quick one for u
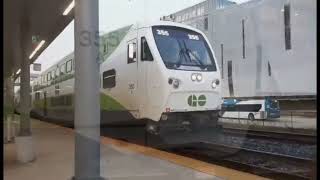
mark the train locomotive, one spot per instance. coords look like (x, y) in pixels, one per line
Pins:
(161, 75)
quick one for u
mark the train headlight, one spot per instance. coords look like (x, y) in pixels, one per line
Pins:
(199, 77)
(193, 77)
(176, 83)
(164, 117)
(215, 83)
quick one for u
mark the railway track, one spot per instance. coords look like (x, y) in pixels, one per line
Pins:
(235, 156)
(272, 165)
(270, 162)
(279, 136)
(275, 165)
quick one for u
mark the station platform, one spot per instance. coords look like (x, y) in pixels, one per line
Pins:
(119, 160)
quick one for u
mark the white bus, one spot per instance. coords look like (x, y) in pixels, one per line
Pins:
(250, 109)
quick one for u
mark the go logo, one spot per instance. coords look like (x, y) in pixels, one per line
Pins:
(195, 101)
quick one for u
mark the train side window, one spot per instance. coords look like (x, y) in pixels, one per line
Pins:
(53, 74)
(145, 50)
(57, 90)
(132, 52)
(57, 72)
(62, 69)
(49, 76)
(109, 79)
(43, 79)
(73, 64)
(37, 96)
(61, 100)
(69, 66)
(68, 100)
(105, 48)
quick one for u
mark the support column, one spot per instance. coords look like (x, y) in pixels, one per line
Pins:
(25, 125)
(25, 148)
(5, 111)
(87, 95)
(9, 108)
(25, 151)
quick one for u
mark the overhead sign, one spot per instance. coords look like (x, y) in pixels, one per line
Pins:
(36, 67)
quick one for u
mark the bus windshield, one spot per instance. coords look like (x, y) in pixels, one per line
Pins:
(183, 49)
(274, 104)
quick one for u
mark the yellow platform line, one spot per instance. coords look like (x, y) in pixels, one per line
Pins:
(200, 166)
(211, 169)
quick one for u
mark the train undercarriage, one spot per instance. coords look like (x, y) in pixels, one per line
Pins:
(188, 121)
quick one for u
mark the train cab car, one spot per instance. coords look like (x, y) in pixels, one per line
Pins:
(158, 75)
(166, 73)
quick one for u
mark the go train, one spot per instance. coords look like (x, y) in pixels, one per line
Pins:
(162, 74)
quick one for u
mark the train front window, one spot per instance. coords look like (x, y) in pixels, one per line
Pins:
(183, 49)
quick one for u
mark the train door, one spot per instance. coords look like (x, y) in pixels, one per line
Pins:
(145, 63)
(131, 76)
(45, 112)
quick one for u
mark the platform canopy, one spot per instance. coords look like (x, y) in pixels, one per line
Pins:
(39, 20)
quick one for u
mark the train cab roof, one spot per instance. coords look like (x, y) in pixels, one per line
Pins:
(148, 24)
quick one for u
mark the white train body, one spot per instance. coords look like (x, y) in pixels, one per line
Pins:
(139, 83)
(142, 87)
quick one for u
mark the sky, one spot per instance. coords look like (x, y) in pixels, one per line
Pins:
(114, 14)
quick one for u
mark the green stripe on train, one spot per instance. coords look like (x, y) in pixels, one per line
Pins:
(110, 104)
(38, 103)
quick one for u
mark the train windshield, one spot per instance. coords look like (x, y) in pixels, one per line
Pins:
(183, 49)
